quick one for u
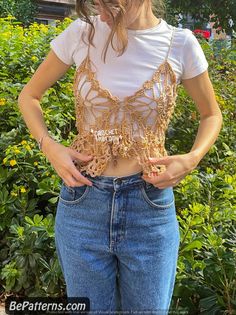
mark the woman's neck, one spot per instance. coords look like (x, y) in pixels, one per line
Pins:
(142, 19)
(143, 24)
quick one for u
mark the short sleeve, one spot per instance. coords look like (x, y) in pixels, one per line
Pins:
(193, 58)
(65, 43)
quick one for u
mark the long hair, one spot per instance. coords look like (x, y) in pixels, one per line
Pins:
(85, 9)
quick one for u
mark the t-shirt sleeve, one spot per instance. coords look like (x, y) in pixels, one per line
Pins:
(65, 43)
(193, 58)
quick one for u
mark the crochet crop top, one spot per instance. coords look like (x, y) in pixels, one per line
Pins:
(109, 127)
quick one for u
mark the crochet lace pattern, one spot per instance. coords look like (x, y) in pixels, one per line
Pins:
(134, 127)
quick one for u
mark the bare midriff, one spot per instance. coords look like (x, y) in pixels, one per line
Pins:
(123, 167)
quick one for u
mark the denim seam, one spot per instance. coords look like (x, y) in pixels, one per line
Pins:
(123, 222)
(78, 200)
(69, 188)
(111, 219)
(122, 227)
(111, 186)
(145, 196)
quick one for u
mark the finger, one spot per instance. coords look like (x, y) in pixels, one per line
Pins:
(75, 176)
(152, 174)
(160, 185)
(77, 183)
(80, 156)
(167, 183)
(72, 182)
(163, 187)
(79, 178)
(159, 161)
(156, 177)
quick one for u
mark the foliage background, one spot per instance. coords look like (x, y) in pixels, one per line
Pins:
(23, 10)
(29, 186)
(221, 11)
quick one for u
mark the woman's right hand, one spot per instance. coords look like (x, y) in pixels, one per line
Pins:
(62, 158)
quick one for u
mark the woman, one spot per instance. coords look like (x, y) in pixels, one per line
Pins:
(116, 218)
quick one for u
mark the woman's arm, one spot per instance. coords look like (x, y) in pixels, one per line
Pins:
(178, 166)
(48, 72)
(61, 157)
(201, 91)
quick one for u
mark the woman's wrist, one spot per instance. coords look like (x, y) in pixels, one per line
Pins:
(194, 158)
(44, 142)
(40, 141)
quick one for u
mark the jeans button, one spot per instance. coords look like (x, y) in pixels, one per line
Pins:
(118, 181)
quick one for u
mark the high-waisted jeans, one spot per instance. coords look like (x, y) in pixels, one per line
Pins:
(117, 243)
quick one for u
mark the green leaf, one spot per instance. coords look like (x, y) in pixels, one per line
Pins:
(195, 244)
(53, 200)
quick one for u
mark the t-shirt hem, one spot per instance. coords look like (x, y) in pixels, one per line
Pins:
(57, 52)
(196, 72)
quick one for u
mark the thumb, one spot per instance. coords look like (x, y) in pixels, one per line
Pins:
(163, 160)
(80, 156)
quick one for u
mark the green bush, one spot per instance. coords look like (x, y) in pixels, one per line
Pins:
(29, 186)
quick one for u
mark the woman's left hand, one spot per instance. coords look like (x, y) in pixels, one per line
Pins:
(177, 167)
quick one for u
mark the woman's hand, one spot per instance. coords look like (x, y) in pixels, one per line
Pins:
(177, 167)
(62, 159)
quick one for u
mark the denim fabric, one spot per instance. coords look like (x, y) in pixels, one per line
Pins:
(117, 243)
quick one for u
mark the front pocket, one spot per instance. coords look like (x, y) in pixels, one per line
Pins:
(156, 197)
(73, 195)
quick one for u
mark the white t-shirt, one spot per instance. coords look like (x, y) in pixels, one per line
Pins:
(146, 50)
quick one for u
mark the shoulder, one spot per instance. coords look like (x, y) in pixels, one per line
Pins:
(186, 42)
(78, 25)
(66, 42)
(183, 36)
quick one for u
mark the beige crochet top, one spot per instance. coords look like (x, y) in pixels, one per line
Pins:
(134, 127)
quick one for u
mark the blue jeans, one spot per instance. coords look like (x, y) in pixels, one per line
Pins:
(117, 243)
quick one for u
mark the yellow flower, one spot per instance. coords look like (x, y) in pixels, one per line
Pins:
(220, 100)
(184, 212)
(23, 190)
(53, 176)
(12, 162)
(67, 19)
(6, 34)
(228, 179)
(13, 193)
(28, 147)
(4, 160)
(10, 17)
(31, 136)
(43, 28)
(17, 151)
(2, 101)
(23, 142)
(35, 163)
(34, 58)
